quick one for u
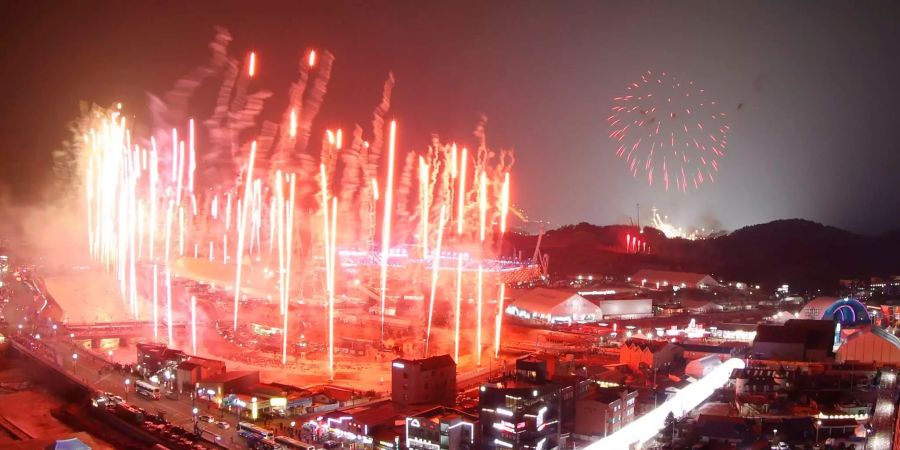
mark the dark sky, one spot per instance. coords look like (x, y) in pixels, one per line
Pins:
(816, 136)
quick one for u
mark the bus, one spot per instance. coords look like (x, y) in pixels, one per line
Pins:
(247, 430)
(263, 444)
(148, 390)
(293, 444)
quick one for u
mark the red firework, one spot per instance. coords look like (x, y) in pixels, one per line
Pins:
(671, 128)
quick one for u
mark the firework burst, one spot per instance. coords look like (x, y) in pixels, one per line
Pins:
(670, 130)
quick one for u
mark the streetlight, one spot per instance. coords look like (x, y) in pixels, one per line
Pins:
(74, 361)
(127, 382)
(818, 425)
(775, 436)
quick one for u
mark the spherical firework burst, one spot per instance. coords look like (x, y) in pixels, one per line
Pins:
(669, 129)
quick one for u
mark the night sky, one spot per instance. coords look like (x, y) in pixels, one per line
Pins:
(815, 138)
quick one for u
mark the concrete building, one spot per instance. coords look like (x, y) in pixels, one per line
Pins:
(152, 358)
(796, 340)
(442, 428)
(522, 412)
(672, 279)
(639, 354)
(424, 381)
(605, 411)
(190, 371)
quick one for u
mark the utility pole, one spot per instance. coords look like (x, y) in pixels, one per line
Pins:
(639, 217)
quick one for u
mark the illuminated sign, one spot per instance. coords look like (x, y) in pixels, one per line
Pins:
(398, 365)
(278, 402)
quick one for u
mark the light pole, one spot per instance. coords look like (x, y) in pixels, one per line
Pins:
(127, 382)
(868, 433)
(818, 425)
(775, 436)
(74, 361)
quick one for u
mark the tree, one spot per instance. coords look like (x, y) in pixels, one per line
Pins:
(670, 425)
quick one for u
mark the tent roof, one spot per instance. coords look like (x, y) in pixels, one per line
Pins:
(555, 302)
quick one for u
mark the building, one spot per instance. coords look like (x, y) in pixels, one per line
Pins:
(754, 380)
(847, 311)
(424, 381)
(741, 332)
(796, 340)
(696, 351)
(217, 387)
(553, 305)
(700, 306)
(667, 278)
(604, 411)
(442, 428)
(729, 430)
(872, 345)
(639, 354)
(625, 308)
(153, 358)
(190, 371)
(522, 412)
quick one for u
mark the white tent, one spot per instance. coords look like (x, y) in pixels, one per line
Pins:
(553, 305)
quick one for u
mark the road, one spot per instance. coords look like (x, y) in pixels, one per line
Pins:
(86, 366)
(883, 418)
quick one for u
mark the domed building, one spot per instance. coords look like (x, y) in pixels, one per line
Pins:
(849, 312)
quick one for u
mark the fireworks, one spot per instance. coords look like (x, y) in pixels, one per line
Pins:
(238, 196)
(670, 130)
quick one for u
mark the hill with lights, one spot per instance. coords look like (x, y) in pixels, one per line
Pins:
(800, 252)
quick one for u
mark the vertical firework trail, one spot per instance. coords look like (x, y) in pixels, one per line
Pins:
(155, 304)
(287, 276)
(331, 290)
(460, 221)
(436, 267)
(193, 325)
(504, 209)
(482, 209)
(386, 227)
(239, 256)
(169, 306)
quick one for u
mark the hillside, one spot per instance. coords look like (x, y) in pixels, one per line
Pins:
(803, 253)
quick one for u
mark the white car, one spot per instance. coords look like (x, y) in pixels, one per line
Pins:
(223, 425)
(207, 419)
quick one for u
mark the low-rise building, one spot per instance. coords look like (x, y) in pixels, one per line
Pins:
(641, 354)
(424, 381)
(442, 428)
(217, 387)
(604, 411)
(190, 371)
(672, 279)
(796, 340)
